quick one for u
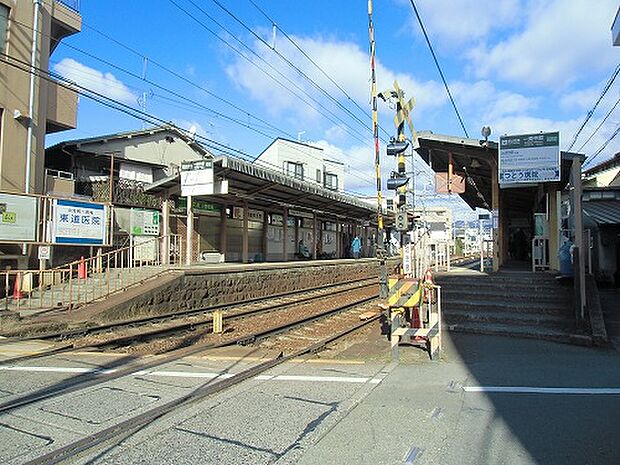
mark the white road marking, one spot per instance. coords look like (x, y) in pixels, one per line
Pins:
(543, 390)
(318, 379)
(194, 374)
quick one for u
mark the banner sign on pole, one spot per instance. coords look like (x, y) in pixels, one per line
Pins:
(529, 158)
(79, 222)
(197, 178)
(18, 218)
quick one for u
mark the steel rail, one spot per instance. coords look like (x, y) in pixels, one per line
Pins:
(93, 378)
(61, 335)
(122, 340)
(131, 425)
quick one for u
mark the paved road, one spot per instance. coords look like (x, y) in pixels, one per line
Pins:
(342, 411)
(610, 301)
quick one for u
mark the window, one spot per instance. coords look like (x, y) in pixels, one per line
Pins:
(331, 181)
(295, 169)
(4, 24)
(318, 176)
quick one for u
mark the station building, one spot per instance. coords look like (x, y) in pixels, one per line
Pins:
(266, 211)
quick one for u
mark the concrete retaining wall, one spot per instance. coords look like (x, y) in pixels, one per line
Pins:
(193, 289)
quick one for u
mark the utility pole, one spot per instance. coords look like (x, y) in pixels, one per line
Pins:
(380, 248)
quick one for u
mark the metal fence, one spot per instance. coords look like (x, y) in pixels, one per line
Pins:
(87, 280)
(73, 4)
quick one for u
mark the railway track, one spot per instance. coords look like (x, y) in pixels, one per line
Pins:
(134, 365)
(133, 424)
(140, 334)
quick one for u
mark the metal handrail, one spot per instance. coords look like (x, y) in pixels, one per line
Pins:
(87, 280)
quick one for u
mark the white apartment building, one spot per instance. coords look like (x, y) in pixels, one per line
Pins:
(303, 161)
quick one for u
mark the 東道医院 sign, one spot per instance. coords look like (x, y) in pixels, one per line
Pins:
(529, 158)
(79, 222)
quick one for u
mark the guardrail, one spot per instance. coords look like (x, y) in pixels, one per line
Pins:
(72, 4)
(90, 279)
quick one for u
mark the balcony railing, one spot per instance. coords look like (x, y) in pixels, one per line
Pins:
(72, 4)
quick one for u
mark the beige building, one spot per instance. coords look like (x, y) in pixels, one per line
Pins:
(31, 107)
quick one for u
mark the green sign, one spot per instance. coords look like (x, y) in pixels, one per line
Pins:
(198, 205)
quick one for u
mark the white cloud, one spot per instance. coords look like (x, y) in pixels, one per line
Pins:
(561, 42)
(346, 63)
(458, 22)
(581, 99)
(103, 83)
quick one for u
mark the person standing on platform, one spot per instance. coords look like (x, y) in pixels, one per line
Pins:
(356, 247)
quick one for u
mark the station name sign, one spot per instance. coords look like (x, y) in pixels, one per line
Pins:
(197, 178)
(529, 159)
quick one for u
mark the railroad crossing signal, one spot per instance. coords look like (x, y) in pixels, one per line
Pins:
(402, 221)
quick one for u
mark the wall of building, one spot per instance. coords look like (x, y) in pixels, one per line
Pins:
(312, 158)
(15, 92)
(150, 149)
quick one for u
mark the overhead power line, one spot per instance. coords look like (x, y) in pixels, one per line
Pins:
(600, 125)
(335, 119)
(183, 102)
(605, 144)
(430, 46)
(316, 65)
(288, 62)
(125, 108)
(591, 111)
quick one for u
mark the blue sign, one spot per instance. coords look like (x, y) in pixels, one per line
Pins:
(79, 222)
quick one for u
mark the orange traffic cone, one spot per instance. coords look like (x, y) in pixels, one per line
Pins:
(17, 287)
(82, 269)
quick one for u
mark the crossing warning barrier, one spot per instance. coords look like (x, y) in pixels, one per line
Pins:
(414, 309)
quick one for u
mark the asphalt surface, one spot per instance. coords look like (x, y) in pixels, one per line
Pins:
(355, 408)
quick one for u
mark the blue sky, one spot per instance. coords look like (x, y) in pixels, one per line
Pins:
(516, 65)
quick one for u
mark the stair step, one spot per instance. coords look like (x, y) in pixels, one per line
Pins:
(511, 318)
(548, 334)
(452, 294)
(503, 305)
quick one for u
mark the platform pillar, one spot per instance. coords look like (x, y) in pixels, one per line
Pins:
(245, 240)
(314, 236)
(498, 232)
(165, 232)
(285, 235)
(189, 250)
(223, 231)
(264, 236)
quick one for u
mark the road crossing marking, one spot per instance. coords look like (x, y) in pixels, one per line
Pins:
(198, 374)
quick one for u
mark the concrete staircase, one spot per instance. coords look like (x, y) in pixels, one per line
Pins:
(518, 304)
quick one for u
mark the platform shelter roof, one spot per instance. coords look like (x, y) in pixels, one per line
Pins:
(269, 189)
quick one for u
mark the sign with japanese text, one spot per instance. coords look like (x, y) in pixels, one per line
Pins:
(529, 158)
(144, 222)
(18, 218)
(79, 222)
(197, 178)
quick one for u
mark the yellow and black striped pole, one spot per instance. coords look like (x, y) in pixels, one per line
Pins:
(381, 253)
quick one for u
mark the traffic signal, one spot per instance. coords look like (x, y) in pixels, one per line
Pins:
(396, 148)
(402, 221)
(396, 181)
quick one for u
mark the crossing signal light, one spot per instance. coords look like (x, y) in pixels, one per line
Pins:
(396, 148)
(402, 221)
(396, 181)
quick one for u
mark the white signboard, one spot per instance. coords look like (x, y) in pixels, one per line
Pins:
(407, 260)
(18, 218)
(529, 158)
(144, 222)
(44, 252)
(197, 178)
(79, 222)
